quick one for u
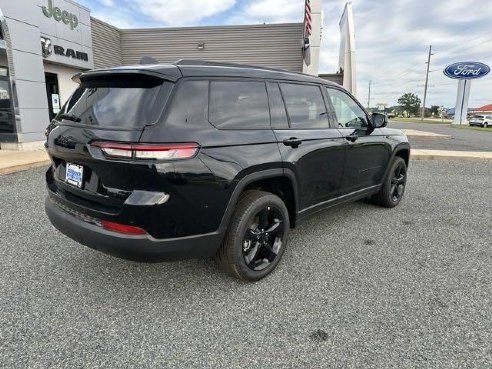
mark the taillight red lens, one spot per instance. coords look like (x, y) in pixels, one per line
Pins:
(145, 151)
(121, 228)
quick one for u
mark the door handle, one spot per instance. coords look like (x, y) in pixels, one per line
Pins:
(352, 138)
(293, 142)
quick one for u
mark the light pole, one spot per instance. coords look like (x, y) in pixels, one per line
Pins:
(426, 81)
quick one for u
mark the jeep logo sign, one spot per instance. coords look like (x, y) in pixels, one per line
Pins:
(60, 15)
(466, 70)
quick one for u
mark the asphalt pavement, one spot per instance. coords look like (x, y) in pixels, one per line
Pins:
(461, 139)
(359, 287)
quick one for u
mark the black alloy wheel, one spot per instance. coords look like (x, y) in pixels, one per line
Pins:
(263, 238)
(394, 184)
(257, 236)
(398, 182)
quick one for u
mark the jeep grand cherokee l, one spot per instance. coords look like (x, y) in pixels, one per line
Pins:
(198, 159)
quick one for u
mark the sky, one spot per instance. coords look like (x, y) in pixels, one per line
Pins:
(392, 37)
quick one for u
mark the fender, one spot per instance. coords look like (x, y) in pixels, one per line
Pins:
(398, 148)
(250, 178)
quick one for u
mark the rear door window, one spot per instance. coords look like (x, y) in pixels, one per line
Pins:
(125, 103)
(239, 105)
(305, 106)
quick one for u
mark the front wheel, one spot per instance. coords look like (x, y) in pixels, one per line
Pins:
(485, 125)
(394, 184)
(256, 238)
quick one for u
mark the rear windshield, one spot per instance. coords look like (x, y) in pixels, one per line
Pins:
(114, 102)
(479, 116)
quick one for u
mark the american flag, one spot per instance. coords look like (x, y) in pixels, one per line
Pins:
(307, 19)
(306, 50)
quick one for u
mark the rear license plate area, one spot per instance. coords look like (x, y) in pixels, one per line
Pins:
(74, 174)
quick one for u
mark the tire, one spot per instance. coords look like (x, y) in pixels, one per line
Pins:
(485, 125)
(394, 184)
(247, 252)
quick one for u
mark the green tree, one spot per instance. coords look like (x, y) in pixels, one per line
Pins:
(410, 102)
(435, 110)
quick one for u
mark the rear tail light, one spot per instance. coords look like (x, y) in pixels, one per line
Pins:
(122, 228)
(145, 151)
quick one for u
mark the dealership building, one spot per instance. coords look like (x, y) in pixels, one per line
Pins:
(43, 43)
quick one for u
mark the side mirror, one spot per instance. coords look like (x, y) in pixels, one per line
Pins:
(379, 120)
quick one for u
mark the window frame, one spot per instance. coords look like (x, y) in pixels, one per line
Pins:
(270, 96)
(319, 86)
(335, 118)
(236, 79)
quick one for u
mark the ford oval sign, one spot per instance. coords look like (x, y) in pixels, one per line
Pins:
(466, 70)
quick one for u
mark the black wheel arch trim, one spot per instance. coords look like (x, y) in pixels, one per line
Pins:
(254, 177)
(400, 147)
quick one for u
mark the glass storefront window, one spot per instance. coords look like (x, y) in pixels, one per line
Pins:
(7, 118)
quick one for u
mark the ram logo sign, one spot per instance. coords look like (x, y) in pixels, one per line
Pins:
(466, 70)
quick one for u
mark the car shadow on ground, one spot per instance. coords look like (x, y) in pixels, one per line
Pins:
(197, 274)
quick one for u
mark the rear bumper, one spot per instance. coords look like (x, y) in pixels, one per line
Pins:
(138, 248)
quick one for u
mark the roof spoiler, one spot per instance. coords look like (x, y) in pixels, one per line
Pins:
(76, 77)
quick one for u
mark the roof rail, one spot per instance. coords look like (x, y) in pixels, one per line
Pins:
(221, 64)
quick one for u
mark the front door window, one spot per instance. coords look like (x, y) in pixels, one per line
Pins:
(347, 112)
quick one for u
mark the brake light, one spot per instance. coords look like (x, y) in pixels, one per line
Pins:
(144, 151)
(121, 228)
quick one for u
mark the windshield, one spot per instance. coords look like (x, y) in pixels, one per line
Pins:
(115, 103)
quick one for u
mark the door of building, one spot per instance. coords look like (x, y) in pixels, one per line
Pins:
(53, 94)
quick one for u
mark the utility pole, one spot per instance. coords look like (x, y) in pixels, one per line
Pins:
(426, 81)
(369, 96)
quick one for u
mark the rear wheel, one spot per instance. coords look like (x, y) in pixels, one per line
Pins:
(256, 238)
(485, 125)
(393, 188)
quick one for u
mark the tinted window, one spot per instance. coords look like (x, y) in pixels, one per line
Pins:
(190, 103)
(239, 105)
(347, 112)
(277, 107)
(116, 103)
(305, 106)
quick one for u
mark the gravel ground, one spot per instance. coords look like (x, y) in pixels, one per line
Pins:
(359, 286)
(461, 139)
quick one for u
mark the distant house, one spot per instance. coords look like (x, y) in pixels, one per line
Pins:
(486, 109)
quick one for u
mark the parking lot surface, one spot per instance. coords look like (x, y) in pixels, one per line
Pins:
(461, 139)
(359, 286)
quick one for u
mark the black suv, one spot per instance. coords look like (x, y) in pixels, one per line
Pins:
(196, 159)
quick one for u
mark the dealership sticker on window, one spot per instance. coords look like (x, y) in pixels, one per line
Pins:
(55, 102)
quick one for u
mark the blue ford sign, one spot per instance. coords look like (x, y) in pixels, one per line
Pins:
(466, 70)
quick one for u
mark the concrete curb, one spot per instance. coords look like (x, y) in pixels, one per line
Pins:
(14, 161)
(424, 135)
(22, 167)
(485, 156)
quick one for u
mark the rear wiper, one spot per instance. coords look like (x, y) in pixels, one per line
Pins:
(68, 117)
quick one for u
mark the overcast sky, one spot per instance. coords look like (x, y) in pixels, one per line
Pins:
(392, 36)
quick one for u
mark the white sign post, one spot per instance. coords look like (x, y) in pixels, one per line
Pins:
(461, 106)
(464, 72)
